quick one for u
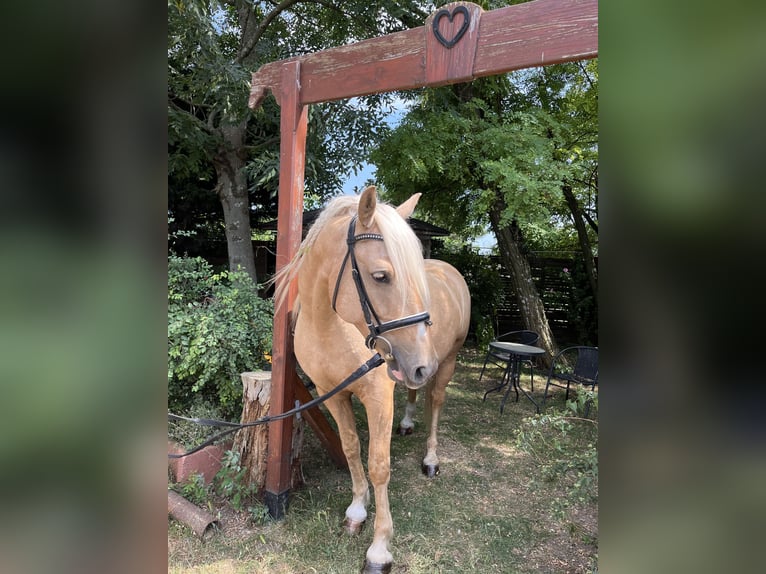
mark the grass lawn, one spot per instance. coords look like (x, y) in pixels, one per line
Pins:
(490, 510)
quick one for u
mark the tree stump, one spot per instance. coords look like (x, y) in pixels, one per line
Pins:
(252, 442)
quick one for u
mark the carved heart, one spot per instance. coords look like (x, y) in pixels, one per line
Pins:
(450, 16)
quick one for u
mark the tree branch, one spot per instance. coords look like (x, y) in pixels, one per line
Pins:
(261, 29)
(263, 144)
(590, 221)
(188, 110)
(585, 73)
(580, 419)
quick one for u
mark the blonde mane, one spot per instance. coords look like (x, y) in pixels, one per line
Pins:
(403, 247)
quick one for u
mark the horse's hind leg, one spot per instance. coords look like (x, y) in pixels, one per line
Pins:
(356, 513)
(407, 423)
(435, 395)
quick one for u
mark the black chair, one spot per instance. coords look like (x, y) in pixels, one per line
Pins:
(578, 364)
(500, 358)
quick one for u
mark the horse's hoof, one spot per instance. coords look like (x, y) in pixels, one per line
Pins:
(404, 431)
(373, 568)
(352, 527)
(430, 470)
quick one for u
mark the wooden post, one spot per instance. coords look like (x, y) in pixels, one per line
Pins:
(294, 120)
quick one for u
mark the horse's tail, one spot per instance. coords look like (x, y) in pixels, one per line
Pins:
(282, 280)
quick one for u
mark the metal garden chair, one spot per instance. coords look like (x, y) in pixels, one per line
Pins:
(578, 365)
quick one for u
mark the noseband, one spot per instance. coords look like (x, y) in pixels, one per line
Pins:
(374, 324)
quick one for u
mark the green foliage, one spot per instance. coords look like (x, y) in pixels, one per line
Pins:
(230, 481)
(212, 48)
(195, 489)
(564, 445)
(584, 403)
(218, 327)
(508, 142)
(259, 514)
(229, 484)
(499, 152)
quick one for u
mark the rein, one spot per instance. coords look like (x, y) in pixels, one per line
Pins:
(374, 324)
(373, 362)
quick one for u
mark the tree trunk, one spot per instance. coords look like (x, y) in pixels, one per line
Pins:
(530, 303)
(582, 236)
(229, 165)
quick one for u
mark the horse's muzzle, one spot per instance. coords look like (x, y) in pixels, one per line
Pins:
(413, 378)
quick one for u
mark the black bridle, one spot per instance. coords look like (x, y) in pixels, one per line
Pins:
(376, 328)
(374, 324)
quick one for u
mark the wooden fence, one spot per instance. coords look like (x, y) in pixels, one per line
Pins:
(554, 280)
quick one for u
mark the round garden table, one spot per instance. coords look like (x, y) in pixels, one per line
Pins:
(516, 353)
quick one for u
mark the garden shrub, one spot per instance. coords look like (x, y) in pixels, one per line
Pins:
(565, 447)
(218, 327)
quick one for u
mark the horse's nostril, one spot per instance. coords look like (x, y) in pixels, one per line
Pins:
(422, 374)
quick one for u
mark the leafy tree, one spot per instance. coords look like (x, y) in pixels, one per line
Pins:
(500, 152)
(217, 145)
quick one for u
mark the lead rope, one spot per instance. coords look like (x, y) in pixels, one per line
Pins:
(373, 362)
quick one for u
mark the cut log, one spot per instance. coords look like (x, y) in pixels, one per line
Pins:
(252, 443)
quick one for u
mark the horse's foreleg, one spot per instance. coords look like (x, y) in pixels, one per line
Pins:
(435, 395)
(356, 513)
(407, 424)
(380, 419)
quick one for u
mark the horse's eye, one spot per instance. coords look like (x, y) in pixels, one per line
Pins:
(380, 276)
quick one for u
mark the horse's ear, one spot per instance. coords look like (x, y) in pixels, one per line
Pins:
(367, 203)
(406, 208)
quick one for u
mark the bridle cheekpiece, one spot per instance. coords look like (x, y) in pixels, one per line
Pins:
(374, 324)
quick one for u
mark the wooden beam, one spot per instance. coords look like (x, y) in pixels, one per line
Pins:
(321, 426)
(537, 33)
(290, 217)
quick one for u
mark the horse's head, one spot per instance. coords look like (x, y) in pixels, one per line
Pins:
(381, 288)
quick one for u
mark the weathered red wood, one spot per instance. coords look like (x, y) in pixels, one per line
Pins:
(393, 60)
(321, 427)
(537, 33)
(449, 65)
(290, 218)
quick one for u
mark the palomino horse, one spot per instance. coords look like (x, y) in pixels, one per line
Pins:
(363, 284)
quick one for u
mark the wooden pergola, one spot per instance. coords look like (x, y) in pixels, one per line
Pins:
(458, 43)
